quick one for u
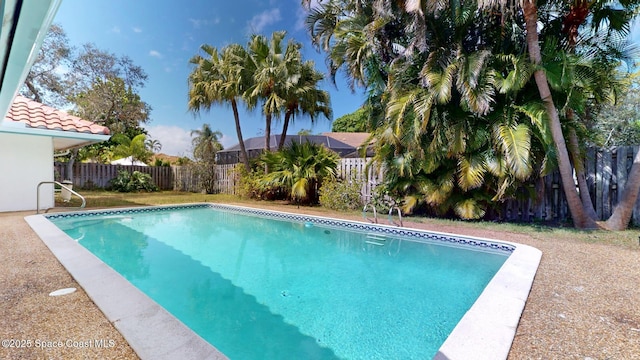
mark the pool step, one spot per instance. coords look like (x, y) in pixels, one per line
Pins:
(376, 239)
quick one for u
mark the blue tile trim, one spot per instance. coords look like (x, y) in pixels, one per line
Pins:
(418, 235)
(90, 213)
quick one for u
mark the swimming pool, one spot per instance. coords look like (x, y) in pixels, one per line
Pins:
(321, 293)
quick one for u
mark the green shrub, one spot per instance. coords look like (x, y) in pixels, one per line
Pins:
(250, 184)
(342, 195)
(206, 174)
(298, 171)
(129, 182)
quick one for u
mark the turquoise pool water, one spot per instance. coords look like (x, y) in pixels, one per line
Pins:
(263, 288)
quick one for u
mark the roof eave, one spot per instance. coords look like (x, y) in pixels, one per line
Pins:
(77, 138)
(21, 37)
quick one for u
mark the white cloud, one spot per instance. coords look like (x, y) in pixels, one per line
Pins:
(262, 20)
(115, 29)
(174, 139)
(155, 53)
(228, 141)
(199, 23)
(196, 23)
(137, 30)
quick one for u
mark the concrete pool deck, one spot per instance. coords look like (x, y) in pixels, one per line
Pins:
(486, 331)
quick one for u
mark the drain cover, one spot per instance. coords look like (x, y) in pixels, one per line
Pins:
(63, 292)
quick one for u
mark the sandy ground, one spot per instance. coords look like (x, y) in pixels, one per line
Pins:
(584, 304)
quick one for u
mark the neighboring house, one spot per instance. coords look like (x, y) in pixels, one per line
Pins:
(345, 144)
(358, 140)
(29, 135)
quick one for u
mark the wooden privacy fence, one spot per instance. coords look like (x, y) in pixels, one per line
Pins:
(186, 178)
(179, 178)
(606, 172)
(90, 175)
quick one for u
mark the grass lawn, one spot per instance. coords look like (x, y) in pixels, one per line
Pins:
(105, 199)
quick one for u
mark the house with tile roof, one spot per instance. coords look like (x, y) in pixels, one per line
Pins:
(345, 144)
(30, 133)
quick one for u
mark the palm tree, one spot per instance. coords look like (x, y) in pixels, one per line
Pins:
(616, 22)
(276, 69)
(135, 148)
(304, 97)
(206, 143)
(153, 145)
(220, 78)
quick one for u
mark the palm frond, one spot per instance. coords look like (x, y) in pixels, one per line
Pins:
(515, 141)
(471, 170)
(469, 209)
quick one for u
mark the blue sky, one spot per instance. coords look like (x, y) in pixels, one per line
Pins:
(161, 37)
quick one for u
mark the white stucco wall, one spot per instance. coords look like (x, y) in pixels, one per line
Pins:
(24, 162)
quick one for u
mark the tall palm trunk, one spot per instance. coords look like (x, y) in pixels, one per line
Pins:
(267, 140)
(267, 133)
(619, 220)
(578, 13)
(580, 218)
(285, 127)
(578, 161)
(243, 150)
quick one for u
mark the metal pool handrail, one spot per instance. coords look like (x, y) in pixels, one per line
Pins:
(391, 216)
(375, 215)
(84, 202)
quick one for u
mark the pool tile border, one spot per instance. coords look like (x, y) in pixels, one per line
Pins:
(485, 332)
(379, 228)
(477, 243)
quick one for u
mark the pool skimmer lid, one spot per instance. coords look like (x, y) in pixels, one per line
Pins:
(61, 292)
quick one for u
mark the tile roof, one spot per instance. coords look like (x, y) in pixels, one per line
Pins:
(355, 139)
(39, 116)
(257, 143)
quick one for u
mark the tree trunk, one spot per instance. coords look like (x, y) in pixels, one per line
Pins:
(267, 140)
(619, 220)
(578, 161)
(243, 150)
(267, 133)
(285, 126)
(34, 91)
(73, 154)
(580, 219)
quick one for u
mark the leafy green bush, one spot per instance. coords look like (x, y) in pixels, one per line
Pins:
(129, 182)
(341, 195)
(249, 184)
